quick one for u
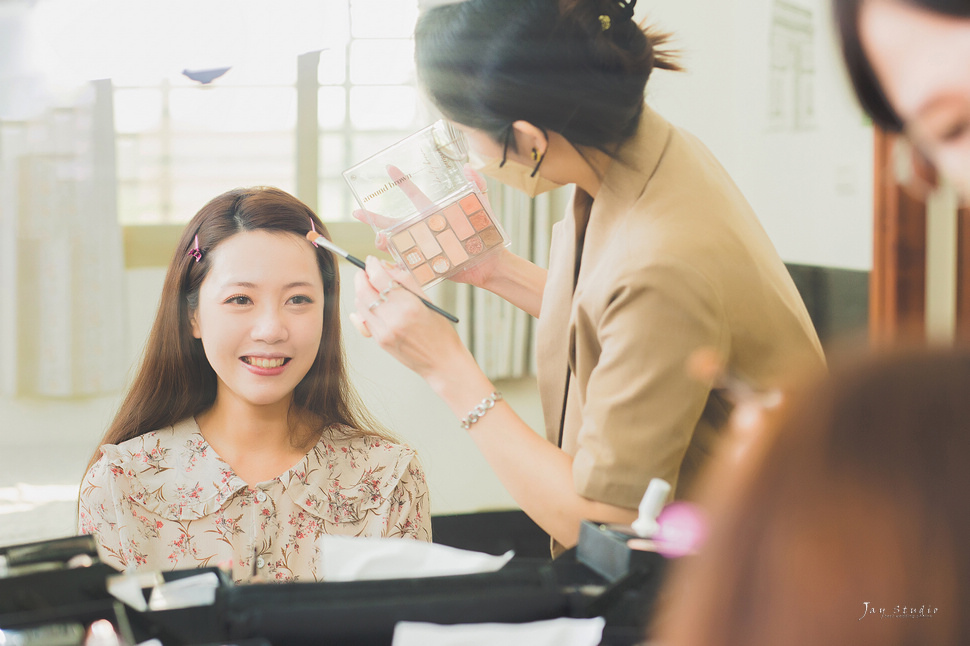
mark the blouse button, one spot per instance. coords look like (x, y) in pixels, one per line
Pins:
(260, 562)
(260, 496)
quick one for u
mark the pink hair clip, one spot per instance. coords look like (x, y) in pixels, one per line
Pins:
(195, 252)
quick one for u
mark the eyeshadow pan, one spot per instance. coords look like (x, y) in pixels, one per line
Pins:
(425, 239)
(491, 237)
(480, 220)
(413, 258)
(403, 241)
(458, 221)
(474, 245)
(423, 274)
(453, 249)
(440, 264)
(470, 204)
(437, 222)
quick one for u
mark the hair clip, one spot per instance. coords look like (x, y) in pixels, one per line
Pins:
(195, 252)
(626, 13)
(313, 228)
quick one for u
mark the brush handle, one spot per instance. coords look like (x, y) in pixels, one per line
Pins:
(357, 261)
(447, 315)
(360, 263)
(451, 317)
(429, 304)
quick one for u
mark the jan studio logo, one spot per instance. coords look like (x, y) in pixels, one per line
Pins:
(897, 612)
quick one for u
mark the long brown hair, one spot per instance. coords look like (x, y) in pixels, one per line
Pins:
(175, 380)
(849, 525)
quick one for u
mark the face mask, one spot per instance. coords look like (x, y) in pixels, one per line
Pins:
(516, 175)
(519, 176)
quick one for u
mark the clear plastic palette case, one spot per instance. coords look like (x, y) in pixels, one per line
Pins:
(436, 221)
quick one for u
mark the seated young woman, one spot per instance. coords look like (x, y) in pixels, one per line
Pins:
(241, 440)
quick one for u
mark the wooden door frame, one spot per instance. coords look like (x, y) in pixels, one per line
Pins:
(897, 284)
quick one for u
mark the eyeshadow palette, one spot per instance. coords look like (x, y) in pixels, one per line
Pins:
(446, 240)
(418, 196)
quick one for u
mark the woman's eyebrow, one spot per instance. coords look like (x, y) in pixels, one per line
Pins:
(248, 285)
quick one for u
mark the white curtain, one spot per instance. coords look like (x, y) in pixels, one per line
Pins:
(499, 335)
(62, 323)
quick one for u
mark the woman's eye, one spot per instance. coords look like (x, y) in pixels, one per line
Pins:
(954, 131)
(301, 300)
(239, 300)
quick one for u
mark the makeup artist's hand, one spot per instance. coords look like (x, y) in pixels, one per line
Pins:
(415, 335)
(483, 272)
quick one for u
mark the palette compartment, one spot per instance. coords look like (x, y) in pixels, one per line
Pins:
(447, 238)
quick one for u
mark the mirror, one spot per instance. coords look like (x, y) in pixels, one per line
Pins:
(96, 179)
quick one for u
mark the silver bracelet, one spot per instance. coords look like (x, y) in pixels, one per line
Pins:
(479, 411)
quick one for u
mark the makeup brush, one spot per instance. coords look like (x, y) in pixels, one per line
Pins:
(320, 241)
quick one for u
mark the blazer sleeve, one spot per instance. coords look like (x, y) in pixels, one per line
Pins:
(640, 407)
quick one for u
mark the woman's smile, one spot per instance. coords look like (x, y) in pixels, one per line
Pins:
(265, 366)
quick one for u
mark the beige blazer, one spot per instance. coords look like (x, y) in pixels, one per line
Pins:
(673, 259)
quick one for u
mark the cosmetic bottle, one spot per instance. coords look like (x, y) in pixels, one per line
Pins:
(660, 532)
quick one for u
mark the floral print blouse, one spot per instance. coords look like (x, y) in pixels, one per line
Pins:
(166, 501)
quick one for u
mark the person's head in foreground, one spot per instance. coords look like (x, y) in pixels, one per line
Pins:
(847, 521)
(909, 61)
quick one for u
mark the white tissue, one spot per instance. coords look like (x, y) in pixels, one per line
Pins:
(127, 587)
(191, 591)
(344, 558)
(195, 590)
(564, 631)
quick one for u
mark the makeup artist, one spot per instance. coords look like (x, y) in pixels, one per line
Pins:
(659, 255)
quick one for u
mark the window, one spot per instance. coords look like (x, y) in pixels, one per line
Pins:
(295, 125)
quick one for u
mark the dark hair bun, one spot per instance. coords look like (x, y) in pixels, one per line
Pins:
(616, 37)
(553, 63)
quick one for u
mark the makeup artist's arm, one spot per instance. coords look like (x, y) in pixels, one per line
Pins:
(511, 277)
(505, 274)
(537, 474)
